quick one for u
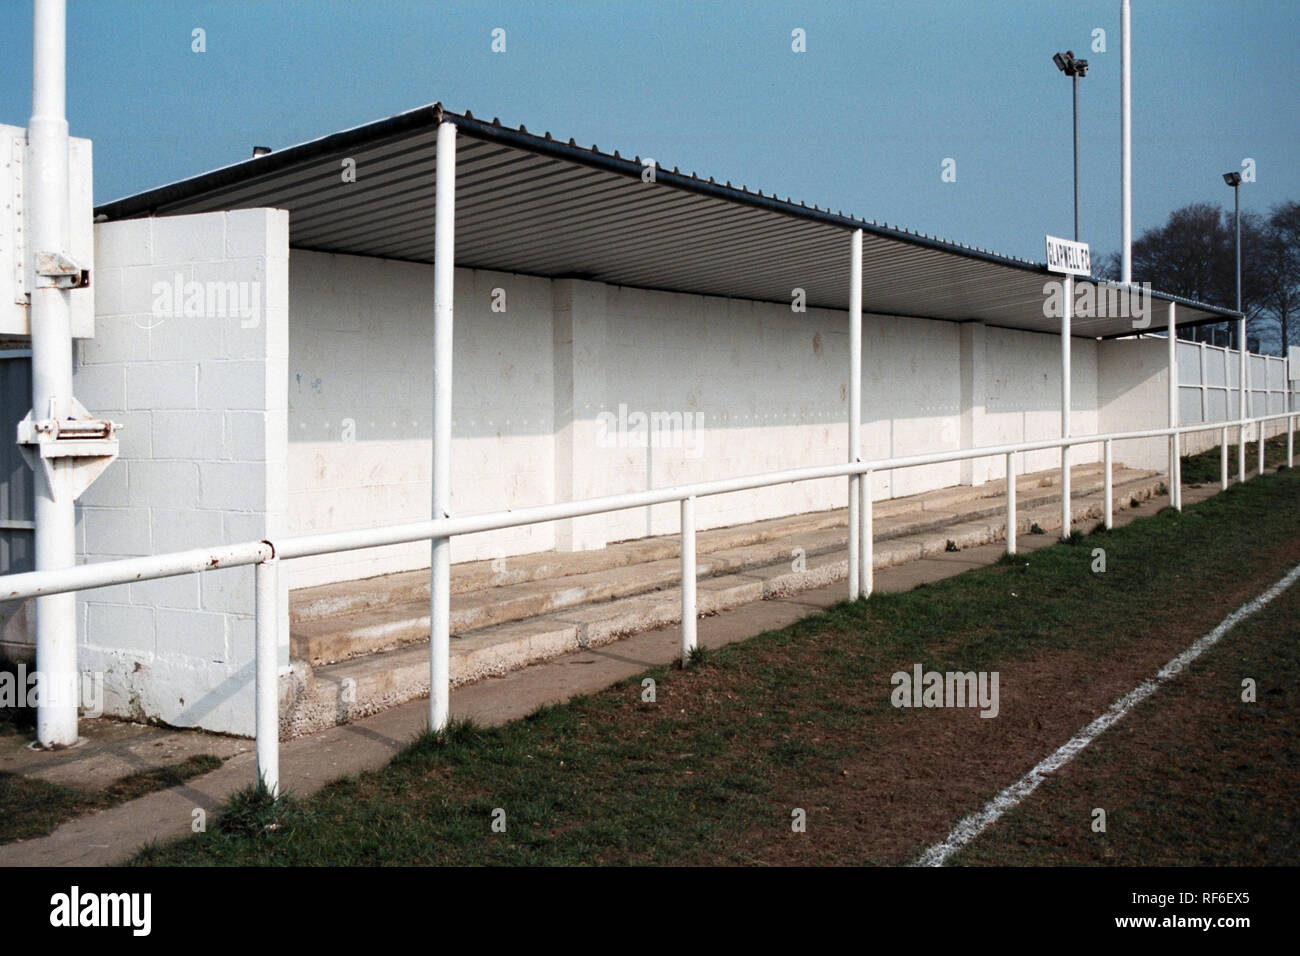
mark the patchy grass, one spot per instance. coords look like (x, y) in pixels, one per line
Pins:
(1183, 778)
(30, 807)
(792, 719)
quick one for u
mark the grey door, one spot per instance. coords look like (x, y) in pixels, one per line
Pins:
(17, 520)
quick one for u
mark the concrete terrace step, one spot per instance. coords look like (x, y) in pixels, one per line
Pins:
(333, 600)
(403, 618)
(325, 695)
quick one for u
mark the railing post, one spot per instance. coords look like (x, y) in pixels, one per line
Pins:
(1290, 440)
(1262, 432)
(1107, 488)
(267, 653)
(1223, 458)
(855, 540)
(866, 536)
(1011, 502)
(855, 412)
(688, 578)
(1243, 373)
(1175, 449)
(1177, 490)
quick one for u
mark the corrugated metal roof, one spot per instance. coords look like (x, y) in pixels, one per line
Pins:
(531, 204)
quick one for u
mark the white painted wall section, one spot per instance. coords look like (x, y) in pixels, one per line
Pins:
(198, 380)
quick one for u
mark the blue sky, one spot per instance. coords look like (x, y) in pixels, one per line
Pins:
(862, 121)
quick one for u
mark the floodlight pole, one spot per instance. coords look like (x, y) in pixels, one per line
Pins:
(1244, 367)
(1075, 84)
(1125, 148)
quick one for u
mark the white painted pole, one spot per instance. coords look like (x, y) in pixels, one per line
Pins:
(689, 612)
(267, 601)
(1243, 373)
(47, 179)
(1125, 147)
(855, 412)
(1261, 447)
(1175, 465)
(867, 537)
(1107, 484)
(444, 266)
(1065, 405)
(1290, 440)
(1223, 458)
(1011, 502)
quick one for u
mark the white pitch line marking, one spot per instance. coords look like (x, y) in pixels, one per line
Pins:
(972, 826)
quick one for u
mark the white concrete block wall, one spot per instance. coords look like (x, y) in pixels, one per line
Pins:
(360, 402)
(1133, 393)
(199, 384)
(547, 394)
(1023, 382)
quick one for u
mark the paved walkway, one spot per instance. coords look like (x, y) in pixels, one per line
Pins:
(307, 763)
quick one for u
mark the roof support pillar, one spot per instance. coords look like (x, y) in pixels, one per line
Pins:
(855, 413)
(444, 265)
(1175, 464)
(1067, 305)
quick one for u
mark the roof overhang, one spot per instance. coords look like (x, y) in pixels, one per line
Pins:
(534, 205)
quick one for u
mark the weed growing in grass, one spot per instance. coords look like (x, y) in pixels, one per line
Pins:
(1035, 529)
(698, 656)
(250, 812)
(951, 546)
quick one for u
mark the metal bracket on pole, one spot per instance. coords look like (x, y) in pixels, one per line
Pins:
(57, 271)
(71, 448)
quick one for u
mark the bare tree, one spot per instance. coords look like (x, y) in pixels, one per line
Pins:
(1193, 255)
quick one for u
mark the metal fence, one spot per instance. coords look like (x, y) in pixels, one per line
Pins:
(267, 555)
(1209, 381)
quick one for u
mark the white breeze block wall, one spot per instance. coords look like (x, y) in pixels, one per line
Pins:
(199, 386)
(360, 405)
(1133, 391)
(552, 399)
(1023, 382)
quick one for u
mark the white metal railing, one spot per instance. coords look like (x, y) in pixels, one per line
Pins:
(267, 555)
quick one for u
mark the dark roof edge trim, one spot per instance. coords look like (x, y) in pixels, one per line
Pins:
(428, 117)
(147, 203)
